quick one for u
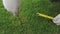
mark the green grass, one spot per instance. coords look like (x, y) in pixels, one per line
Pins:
(28, 22)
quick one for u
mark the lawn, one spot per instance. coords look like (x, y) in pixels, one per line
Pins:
(28, 22)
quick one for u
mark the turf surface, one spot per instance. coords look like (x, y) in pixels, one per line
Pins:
(28, 22)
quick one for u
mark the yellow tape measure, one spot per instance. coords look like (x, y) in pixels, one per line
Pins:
(43, 15)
